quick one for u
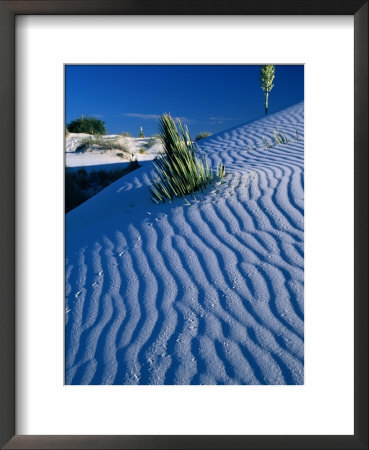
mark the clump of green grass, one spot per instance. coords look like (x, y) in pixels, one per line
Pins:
(142, 150)
(84, 143)
(126, 134)
(202, 135)
(99, 141)
(220, 171)
(297, 134)
(268, 144)
(280, 137)
(181, 169)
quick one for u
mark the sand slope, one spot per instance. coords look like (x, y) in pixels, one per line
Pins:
(210, 293)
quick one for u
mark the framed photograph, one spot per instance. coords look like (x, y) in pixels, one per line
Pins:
(184, 224)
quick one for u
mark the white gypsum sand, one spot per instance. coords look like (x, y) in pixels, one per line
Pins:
(206, 293)
(98, 158)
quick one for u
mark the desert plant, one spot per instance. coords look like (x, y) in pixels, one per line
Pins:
(220, 171)
(267, 74)
(126, 134)
(141, 133)
(89, 125)
(280, 137)
(181, 169)
(202, 135)
(297, 134)
(268, 144)
(84, 143)
(250, 147)
(111, 144)
(142, 150)
(99, 141)
(131, 156)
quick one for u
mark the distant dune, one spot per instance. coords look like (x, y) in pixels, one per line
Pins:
(211, 293)
(100, 158)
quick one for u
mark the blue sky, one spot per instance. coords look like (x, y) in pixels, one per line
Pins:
(206, 97)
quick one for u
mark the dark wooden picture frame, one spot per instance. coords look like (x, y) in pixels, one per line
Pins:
(8, 11)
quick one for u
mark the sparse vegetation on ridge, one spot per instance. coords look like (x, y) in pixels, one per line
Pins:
(297, 134)
(267, 144)
(280, 137)
(99, 141)
(202, 135)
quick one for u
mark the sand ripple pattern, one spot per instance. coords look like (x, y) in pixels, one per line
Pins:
(211, 293)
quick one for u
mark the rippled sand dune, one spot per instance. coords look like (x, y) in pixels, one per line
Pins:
(206, 293)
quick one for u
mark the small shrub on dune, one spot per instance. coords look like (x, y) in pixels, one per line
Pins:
(202, 135)
(89, 125)
(126, 134)
(181, 169)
